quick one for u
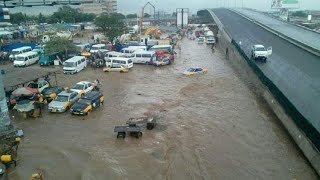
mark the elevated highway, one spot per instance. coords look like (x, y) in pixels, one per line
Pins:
(293, 70)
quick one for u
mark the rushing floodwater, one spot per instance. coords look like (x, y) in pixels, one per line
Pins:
(210, 127)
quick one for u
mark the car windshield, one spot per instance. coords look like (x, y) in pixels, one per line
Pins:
(69, 64)
(190, 70)
(260, 49)
(48, 91)
(61, 98)
(95, 48)
(20, 58)
(78, 86)
(84, 101)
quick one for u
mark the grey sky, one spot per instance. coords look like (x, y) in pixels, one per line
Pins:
(132, 6)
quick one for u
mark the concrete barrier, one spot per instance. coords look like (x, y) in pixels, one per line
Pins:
(243, 66)
(281, 35)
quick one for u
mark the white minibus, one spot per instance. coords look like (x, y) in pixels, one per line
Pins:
(26, 59)
(74, 65)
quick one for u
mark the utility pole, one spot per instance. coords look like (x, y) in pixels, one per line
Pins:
(4, 114)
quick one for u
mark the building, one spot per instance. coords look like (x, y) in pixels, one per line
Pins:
(100, 6)
(4, 16)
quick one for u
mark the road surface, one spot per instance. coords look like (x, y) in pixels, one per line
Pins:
(293, 70)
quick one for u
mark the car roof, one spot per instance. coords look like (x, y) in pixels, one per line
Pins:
(259, 45)
(67, 93)
(83, 82)
(75, 58)
(90, 95)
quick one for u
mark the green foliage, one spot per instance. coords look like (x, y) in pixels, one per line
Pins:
(64, 14)
(119, 15)
(17, 18)
(131, 16)
(60, 45)
(299, 14)
(146, 15)
(111, 25)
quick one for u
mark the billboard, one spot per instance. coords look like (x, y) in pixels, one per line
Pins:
(288, 4)
(182, 17)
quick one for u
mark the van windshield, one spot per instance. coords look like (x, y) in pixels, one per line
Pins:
(19, 58)
(69, 64)
(15, 52)
(260, 49)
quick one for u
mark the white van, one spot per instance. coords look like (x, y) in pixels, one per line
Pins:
(74, 65)
(98, 47)
(26, 59)
(117, 61)
(18, 51)
(127, 51)
(142, 57)
(111, 54)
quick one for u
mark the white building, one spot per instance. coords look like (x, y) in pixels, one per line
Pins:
(100, 6)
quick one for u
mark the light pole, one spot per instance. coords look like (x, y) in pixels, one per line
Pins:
(4, 114)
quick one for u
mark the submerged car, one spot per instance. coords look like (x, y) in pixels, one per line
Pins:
(120, 68)
(87, 103)
(51, 92)
(83, 87)
(195, 70)
(162, 62)
(63, 101)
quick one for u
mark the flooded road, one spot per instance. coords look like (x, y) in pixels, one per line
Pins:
(210, 127)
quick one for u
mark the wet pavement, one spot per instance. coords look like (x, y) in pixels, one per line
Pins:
(210, 127)
(293, 70)
(309, 38)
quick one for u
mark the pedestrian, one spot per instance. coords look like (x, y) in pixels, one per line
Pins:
(212, 48)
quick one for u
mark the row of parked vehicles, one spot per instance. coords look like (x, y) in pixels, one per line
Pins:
(81, 99)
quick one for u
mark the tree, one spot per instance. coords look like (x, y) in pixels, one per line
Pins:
(58, 44)
(119, 15)
(146, 15)
(41, 18)
(131, 16)
(66, 14)
(17, 18)
(299, 14)
(111, 26)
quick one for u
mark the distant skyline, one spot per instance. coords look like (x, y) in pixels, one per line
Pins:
(134, 6)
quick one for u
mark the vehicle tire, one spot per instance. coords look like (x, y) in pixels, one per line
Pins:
(138, 135)
(150, 126)
(121, 135)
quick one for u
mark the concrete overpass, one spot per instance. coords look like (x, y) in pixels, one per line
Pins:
(291, 74)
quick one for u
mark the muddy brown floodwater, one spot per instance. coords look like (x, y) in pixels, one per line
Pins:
(210, 127)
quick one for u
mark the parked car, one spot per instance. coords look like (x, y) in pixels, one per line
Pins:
(83, 87)
(51, 92)
(87, 103)
(63, 101)
(162, 62)
(40, 85)
(195, 70)
(120, 68)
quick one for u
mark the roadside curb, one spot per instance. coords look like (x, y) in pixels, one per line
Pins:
(287, 38)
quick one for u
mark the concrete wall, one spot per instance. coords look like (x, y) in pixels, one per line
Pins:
(241, 66)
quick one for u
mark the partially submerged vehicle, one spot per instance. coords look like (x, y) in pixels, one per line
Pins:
(135, 126)
(63, 101)
(120, 68)
(162, 62)
(87, 103)
(195, 70)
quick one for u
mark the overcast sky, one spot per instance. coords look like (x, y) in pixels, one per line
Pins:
(132, 6)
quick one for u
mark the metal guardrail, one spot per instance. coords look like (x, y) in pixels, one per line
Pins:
(306, 47)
